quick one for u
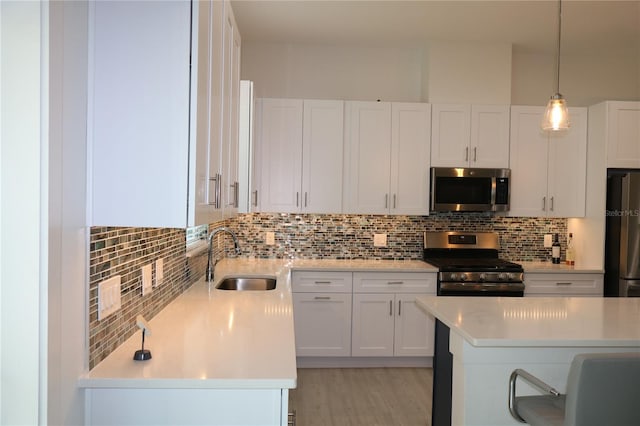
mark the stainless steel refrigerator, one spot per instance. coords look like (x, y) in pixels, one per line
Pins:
(622, 242)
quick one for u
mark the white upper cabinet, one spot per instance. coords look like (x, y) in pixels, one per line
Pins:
(299, 154)
(465, 135)
(322, 150)
(622, 124)
(548, 170)
(230, 115)
(387, 158)
(154, 127)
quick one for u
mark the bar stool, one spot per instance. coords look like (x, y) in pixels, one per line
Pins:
(602, 389)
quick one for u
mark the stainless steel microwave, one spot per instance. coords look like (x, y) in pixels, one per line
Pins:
(469, 189)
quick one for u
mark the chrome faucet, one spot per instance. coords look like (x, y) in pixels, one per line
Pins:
(211, 263)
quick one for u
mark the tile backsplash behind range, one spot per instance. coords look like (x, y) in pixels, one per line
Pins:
(351, 236)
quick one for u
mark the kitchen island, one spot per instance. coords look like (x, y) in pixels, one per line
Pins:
(490, 337)
(218, 357)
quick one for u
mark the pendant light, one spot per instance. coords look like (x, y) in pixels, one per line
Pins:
(556, 116)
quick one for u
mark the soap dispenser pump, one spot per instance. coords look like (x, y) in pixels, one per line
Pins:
(142, 354)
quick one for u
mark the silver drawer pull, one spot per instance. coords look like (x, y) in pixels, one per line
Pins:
(322, 282)
(322, 298)
(564, 283)
(395, 282)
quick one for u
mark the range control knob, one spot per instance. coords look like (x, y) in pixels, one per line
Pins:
(482, 277)
(463, 277)
(510, 276)
(502, 276)
(453, 276)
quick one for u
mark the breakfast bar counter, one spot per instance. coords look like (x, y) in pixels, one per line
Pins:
(490, 337)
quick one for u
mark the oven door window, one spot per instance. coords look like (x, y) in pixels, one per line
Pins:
(467, 190)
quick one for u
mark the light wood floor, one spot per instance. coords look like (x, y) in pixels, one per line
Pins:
(362, 396)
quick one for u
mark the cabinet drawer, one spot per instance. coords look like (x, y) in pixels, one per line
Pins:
(394, 282)
(563, 284)
(320, 281)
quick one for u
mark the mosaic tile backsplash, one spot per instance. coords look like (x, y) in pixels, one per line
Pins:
(124, 251)
(351, 236)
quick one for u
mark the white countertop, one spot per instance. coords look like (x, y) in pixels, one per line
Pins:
(209, 338)
(539, 321)
(562, 268)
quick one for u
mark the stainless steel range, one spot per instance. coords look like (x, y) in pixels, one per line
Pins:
(469, 265)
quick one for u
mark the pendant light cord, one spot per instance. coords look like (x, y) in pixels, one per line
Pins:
(559, 40)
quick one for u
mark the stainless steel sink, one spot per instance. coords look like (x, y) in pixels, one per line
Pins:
(247, 283)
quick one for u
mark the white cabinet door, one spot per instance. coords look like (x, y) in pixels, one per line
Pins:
(322, 323)
(410, 158)
(623, 134)
(414, 328)
(548, 172)
(528, 160)
(367, 150)
(450, 135)
(231, 112)
(489, 145)
(373, 324)
(470, 136)
(280, 158)
(567, 171)
(322, 152)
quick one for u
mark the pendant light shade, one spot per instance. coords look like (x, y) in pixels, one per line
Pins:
(556, 116)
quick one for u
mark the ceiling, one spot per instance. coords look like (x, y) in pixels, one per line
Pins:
(529, 25)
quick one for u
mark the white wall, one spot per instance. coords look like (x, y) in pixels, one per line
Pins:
(333, 72)
(402, 74)
(68, 233)
(23, 183)
(468, 73)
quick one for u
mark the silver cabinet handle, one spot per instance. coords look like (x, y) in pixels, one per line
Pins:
(551, 203)
(297, 199)
(394, 201)
(305, 198)
(395, 282)
(399, 307)
(386, 201)
(255, 198)
(390, 308)
(322, 282)
(544, 203)
(213, 181)
(322, 298)
(475, 154)
(564, 283)
(236, 190)
(466, 154)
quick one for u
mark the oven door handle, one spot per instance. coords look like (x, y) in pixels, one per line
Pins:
(483, 286)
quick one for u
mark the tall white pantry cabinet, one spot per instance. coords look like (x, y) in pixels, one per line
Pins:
(162, 113)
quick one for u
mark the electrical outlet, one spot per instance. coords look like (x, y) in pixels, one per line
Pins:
(109, 299)
(548, 240)
(159, 271)
(379, 240)
(147, 283)
(270, 238)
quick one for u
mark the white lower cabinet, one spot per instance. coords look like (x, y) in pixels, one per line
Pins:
(563, 284)
(322, 313)
(322, 324)
(353, 314)
(386, 319)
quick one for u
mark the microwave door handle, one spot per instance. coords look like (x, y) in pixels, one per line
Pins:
(493, 191)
